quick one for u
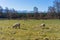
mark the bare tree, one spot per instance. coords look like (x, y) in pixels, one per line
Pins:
(1, 11)
(51, 12)
(57, 5)
(14, 13)
(7, 12)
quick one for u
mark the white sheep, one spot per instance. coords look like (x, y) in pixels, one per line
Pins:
(16, 25)
(42, 25)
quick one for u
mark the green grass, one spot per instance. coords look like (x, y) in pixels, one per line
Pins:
(30, 30)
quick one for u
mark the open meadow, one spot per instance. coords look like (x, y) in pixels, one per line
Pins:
(30, 30)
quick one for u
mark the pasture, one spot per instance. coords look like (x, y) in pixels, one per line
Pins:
(30, 30)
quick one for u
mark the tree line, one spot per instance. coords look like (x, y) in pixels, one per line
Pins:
(52, 13)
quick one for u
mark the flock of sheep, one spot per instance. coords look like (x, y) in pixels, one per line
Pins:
(17, 25)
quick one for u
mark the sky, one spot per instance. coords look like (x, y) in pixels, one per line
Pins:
(42, 5)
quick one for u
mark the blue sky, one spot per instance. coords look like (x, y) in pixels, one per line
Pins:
(27, 4)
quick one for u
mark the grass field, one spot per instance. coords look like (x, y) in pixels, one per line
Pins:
(30, 30)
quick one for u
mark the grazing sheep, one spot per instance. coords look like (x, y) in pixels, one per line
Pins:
(42, 25)
(16, 25)
(46, 38)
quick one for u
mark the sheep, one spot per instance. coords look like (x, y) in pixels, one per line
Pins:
(16, 25)
(42, 25)
(46, 38)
